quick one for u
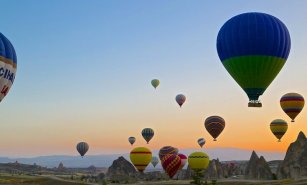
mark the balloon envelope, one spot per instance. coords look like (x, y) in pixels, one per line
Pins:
(253, 47)
(167, 150)
(8, 66)
(82, 148)
(201, 142)
(171, 164)
(183, 159)
(180, 99)
(279, 127)
(131, 140)
(215, 125)
(292, 104)
(148, 134)
(198, 161)
(155, 83)
(154, 161)
(140, 158)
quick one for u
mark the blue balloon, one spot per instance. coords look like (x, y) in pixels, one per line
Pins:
(253, 47)
(253, 34)
(8, 63)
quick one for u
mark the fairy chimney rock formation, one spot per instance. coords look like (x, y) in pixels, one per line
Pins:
(258, 168)
(295, 163)
(121, 166)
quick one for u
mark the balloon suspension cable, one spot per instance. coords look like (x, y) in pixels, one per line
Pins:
(279, 140)
(254, 103)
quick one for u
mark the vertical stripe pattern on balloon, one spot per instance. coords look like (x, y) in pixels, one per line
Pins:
(147, 134)
(82, 148)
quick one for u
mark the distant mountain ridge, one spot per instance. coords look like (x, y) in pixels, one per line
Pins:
(224, 154)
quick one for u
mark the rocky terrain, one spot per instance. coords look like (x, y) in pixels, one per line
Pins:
(295, 163)
(294, 166)
(122, 171)
(121, 166)
(258, 168)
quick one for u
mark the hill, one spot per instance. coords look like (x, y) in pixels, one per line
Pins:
(224, 154)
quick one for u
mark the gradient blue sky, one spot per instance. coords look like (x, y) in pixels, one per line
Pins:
(84, 71)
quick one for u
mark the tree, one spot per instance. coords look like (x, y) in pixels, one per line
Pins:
(198, 177)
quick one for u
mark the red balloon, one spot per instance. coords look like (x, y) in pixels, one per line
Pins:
(180, 99)
(171, 164)
(183, 160)
(167, 150)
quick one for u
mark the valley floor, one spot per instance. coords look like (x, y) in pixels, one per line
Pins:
(232, 182)
(54, 180)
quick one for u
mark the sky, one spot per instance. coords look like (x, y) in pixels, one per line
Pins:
(84, 72)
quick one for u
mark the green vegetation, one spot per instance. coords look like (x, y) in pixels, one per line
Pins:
(8, 179)
(33, 180)
(198, 177)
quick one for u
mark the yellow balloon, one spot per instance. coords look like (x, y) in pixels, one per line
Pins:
(198, 161)
(140, 158)
(279, 127)
(155, 83)
(292, 104)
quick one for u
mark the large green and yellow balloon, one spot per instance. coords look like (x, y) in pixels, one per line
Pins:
(140, 158)
(279, 127)
(198, 161)
(253, 47)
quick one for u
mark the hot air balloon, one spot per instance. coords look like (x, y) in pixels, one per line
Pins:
(279, 127)
(253, 47)
(155, 83)
(167, 150)
(201, 142)
(292, 104)
(8, 66)
(140, 158)
(82, 148)
(198, 161)
(171, 164)
(147, 134)
(154, 161)
(183, 159)
(215, 125)
(180, 99)
(131, 140)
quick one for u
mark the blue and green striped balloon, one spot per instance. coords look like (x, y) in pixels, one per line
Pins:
(253, 48)
(148, 134)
